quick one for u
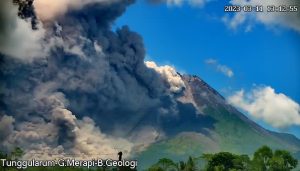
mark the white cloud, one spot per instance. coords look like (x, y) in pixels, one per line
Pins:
(169, 74)
(211, 61)
(270, 19)
(225, 70)
(220, 68)
(235, 21)
(264, 103)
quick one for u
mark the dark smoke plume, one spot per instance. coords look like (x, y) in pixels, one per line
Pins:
(90, 92)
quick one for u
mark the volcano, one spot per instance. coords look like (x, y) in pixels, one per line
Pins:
(224, 129)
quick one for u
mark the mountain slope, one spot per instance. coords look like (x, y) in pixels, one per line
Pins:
(231, 130)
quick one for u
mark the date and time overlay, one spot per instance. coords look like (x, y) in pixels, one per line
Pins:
(261, 8)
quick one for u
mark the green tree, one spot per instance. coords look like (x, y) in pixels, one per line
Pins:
(221, 161)
(155, 168)
(225, 161)
(2, 156)
(261, 159)
(282, 161)
(17, 153)
(241, 162)
(190, 165)
(181, 166)
(164, 164)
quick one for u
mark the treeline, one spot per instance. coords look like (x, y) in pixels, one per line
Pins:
(264, 159)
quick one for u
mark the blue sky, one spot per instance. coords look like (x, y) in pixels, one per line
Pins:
(186, 36)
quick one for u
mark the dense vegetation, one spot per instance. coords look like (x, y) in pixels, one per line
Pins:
(264, 159)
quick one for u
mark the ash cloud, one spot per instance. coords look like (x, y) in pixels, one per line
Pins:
(21, 36)
(88, 93)
(6, 126)
(170, 75)
(48, 10)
